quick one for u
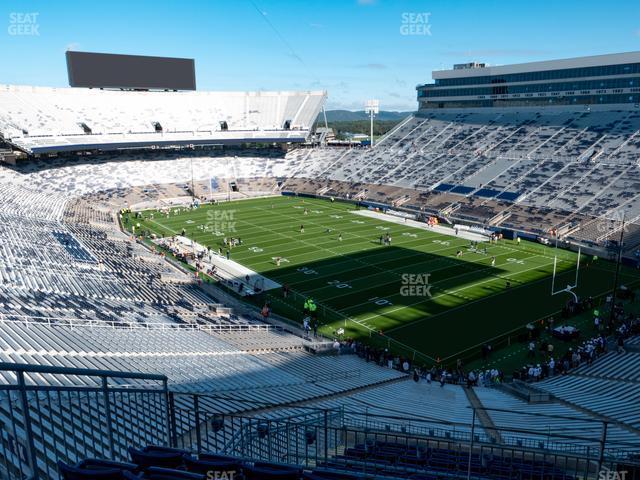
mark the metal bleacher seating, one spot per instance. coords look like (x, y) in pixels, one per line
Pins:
(42, 119)
(608, 388)
(78, 294)
(582, 165)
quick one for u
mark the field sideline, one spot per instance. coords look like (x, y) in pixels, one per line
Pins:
(358, 282)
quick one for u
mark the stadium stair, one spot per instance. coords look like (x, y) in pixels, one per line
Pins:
(482, 416)
(499, 218)
(393, 131)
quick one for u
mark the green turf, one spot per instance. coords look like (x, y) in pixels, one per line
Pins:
(357, 282)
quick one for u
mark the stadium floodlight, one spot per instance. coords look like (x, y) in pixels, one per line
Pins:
(372, 107)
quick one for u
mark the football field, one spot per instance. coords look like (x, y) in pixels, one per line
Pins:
(416, 294)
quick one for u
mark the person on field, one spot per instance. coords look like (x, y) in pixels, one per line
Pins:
(313, 309)
(620, 343)
(307, 326)
(266, 311)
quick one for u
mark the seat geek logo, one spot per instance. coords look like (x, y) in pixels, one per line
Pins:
(23, 24)
(222, 475)
(415, 285)
(221, 221)
(607, 474)
(415, 23)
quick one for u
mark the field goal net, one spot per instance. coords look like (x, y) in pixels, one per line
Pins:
(568, 288)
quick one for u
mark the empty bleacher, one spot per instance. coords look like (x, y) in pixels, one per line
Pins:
(77, 293)
(42, 119)
(608, 388)
(581, 165)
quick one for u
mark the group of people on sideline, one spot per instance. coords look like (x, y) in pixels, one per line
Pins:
(612, 329)
(436, 373)
(612, 332)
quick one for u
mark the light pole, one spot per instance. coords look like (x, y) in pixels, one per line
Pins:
(618, 262)
(372, 107)
(193, 190)
(228, 180)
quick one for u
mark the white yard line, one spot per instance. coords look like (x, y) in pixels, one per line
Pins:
(401, 221)
(431, 271)
(419, 253)
(451, 292)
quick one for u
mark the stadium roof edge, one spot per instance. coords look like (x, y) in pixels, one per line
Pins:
(576, 62)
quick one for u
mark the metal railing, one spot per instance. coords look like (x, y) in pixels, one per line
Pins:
(312, 437)
(50, 413)
(70, 322)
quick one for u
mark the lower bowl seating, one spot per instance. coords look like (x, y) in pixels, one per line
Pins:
(363, 461)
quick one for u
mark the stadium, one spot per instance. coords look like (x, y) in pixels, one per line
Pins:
(203, 284)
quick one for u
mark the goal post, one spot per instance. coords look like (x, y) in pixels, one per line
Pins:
(569, 288)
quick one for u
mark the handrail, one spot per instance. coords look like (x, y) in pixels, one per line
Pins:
(73, 322)
(27, 368)
(247, 434)
(329, 422)
(30, 402)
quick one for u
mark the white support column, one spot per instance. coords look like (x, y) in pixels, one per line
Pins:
(372, 107)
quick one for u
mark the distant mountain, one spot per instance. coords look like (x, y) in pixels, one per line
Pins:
(349, 116)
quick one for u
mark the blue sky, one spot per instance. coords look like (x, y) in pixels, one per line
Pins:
(355, 49)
